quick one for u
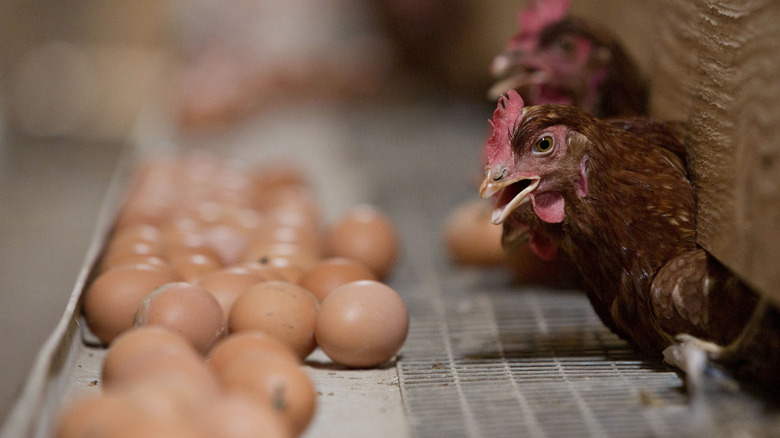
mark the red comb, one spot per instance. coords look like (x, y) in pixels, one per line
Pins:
(537, 15)
(507, 115)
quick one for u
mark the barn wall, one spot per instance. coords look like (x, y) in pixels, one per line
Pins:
(718, 69)
(715, 65)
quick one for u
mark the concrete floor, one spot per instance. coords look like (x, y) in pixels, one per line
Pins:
(50, 194)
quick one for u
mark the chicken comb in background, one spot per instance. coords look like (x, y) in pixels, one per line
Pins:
(535, 18)
(558, 58)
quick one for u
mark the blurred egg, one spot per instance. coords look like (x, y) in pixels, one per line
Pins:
(94, 415)
(362, 324)
(158, 428)
(134, 259)
(293, 200)
(227, 284)
(270, 177)
(284, 233)
(186, 309)
(239, 415)
(182, 231)
(139, 210)
(192, 266)
(228, 242)
(115, 252)
(471, 238)
(112, 299)
(331, 273)
(135, 233)
(284, 310)
(164, 365)
(265, 270)
(141, 340)
(287, 268)
(277, 384)
(183, 249)
(167, 397)
(299, 255)
(366, 235)
(247, 343)
(245, 220)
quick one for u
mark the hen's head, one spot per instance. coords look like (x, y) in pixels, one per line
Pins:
(536, 158)
(556, 58)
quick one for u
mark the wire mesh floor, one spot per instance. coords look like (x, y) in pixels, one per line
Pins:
(529, 363)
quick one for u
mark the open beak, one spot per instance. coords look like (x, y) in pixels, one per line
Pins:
(511, 71)
(512, 193)
(520, 79)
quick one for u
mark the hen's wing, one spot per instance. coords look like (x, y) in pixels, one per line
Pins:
(694, 294)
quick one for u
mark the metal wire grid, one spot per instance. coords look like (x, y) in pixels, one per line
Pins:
(528, 363)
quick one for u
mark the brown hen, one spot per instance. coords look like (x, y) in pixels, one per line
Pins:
(616, 199)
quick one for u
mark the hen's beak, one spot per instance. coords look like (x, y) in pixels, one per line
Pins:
(517, 80)
(512, 192)
(512, 70)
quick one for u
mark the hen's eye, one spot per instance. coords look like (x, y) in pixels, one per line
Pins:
(544, 144)
(567, 46)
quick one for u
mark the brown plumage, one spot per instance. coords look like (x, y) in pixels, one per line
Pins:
(615, 198)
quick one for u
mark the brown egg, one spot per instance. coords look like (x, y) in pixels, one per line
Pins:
(229, 243)
(366, 235)
(163, 364)
(158, 428)
(134, 259)
(116, 252)
(182, 231)
(167, 397)
(470, 237)
(275, 383)
(135, 233)
(333, 272)
(186, 309)
(113, 297)
(287, 268)
(296, 200)
(284, 310)
(247, 343)
(246, 220)
(265, 270)
(141, 340)
(94, 415)
(239, 415)
(227, 284)
(297, 254)
(362, 324)
(138, 210)
(270, 177)
(193, 266)
(272, 232)
(180, 250)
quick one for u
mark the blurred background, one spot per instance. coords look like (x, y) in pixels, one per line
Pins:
(83, 80)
